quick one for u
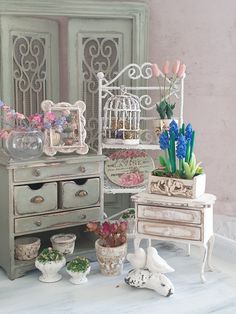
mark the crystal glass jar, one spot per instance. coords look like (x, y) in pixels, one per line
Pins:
(24, 144)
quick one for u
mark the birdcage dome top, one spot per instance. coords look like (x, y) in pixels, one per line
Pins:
(125, 101)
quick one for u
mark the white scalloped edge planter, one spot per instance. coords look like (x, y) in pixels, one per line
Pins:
(78, 278)
(177, 187)
(50, 270)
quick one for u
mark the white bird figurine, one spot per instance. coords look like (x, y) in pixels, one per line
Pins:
(155, 263)
(137, 259)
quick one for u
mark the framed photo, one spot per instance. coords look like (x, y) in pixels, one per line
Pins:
(64, 127)
(129, 168)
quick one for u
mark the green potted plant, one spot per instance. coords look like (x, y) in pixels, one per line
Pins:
(78, 269)
(129, 216)
(178, 174)
(49, 262)
(111, 246)
(167, 81)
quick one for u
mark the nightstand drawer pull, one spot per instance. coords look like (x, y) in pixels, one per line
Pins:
(36, 173)
(81, 193)
(82, 169)
(38, 223)
(37, 199)
(83, 216)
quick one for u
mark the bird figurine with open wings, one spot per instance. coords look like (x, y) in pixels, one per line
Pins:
(148, 271)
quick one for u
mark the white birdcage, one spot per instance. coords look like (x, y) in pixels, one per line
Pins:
(122, 119)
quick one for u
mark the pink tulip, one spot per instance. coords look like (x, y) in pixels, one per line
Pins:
(155, 70)
(182, 70)
(166, 67)
(176, 66)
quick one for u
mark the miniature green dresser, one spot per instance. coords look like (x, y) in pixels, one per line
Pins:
(51, 193)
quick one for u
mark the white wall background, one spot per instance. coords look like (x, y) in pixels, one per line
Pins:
(202, 34)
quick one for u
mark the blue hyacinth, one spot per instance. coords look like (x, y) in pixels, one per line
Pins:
(174, 128)
(181, 147)
(47, 125)
(164, 141)
(188, 132)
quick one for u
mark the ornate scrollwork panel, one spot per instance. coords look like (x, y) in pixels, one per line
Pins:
(29, 71)
(100, 54)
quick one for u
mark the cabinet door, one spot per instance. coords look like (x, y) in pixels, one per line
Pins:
(96, 45)
(29, 62)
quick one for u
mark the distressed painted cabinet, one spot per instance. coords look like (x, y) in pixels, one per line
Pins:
(51, 193)
(176, 219)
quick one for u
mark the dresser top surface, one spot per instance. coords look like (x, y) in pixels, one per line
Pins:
(46, 160)
(155, 199)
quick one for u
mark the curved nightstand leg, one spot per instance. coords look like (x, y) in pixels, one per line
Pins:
(203, 279)
(188, 249)
(210, 249)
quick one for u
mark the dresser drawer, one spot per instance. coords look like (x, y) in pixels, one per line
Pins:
(79, 193)
(55, 171)
(169, 231)
(169, 214)
(57, 220)
(35, 198)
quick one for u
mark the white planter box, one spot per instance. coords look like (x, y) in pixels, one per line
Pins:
(177, 187)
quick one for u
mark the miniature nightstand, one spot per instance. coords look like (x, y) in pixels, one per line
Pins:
(176, 219)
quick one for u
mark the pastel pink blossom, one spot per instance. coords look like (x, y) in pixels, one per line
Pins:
(9, 115)
(20, 116)
(66, 112)
(176, 66)
(36, 118)
(4, 135)
(166, 67)
(182, 70)
(50, 116)
(155, 70)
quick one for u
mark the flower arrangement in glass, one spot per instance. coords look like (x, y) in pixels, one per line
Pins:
(167, 80)
(22, 139)
(178, 172)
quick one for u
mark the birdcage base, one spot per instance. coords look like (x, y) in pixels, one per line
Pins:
(116, 141)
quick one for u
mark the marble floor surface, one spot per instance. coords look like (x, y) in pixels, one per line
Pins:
(105, 295)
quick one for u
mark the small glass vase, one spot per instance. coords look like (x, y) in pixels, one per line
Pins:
(24, 144)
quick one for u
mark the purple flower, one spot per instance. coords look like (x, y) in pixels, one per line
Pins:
(1, 103)
(164, 141)
(47, 125)
(188, 132)
(60, 121)
(181, 147)
(174, 128)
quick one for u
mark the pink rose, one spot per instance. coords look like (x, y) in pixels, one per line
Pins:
(182, 70)
(166, 67)
(176, 66)
(155, 70)
(50, 116)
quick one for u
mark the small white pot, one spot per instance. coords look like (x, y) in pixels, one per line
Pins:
(78, 278)
(50, 270)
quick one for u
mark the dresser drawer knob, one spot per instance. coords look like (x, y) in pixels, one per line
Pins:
(82, 169)
(37, 199)
(38, 223)
(81, 193)
(36, 172)
(83, 216)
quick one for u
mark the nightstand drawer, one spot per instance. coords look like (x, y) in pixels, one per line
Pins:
(169, 214)
(57, 220)
(35, 198)
(169, 231)
(55, 171)
(79, 193)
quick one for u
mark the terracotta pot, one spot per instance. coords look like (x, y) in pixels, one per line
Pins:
(26, 248)
(64, 243)
(161, 125)
(177, 187)
(111, 259)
